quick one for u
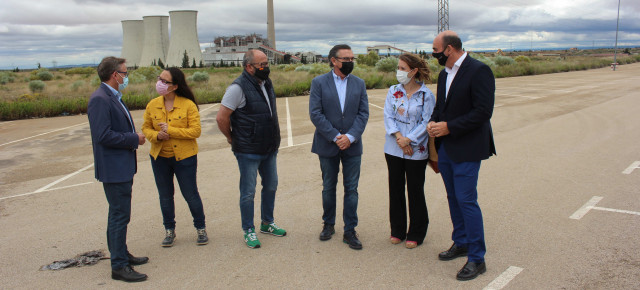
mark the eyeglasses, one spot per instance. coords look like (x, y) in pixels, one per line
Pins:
(261, 65)
(164, 81)
(126, 73)
(345, 59)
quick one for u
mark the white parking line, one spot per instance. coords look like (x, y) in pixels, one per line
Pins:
(615, 210)
(209, 107)
(504, 278)
(14, 141)
(63, 179)
(381, 108)
(289, 132)
(586, 208)
(50, 189)
(633, 166)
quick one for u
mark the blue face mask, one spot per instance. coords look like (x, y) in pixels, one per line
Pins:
(125, 82)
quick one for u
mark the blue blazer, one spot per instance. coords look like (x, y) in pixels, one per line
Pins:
(328, 118)
(113, 137)
(467, 110)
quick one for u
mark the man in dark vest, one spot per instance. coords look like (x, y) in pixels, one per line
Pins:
(249, 119)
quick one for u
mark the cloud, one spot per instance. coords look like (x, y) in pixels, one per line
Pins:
(80, 31)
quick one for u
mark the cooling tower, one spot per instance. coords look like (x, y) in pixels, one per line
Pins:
(132, 41)
(156, 39)
(271, 29)
(184, 37)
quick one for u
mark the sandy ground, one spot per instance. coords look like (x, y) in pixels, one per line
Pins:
(561, 140)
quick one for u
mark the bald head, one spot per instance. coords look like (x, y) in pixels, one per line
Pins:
(447, 38)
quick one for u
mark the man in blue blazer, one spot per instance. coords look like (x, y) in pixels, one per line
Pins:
(115, 142)
(461, 126)
(339, 109)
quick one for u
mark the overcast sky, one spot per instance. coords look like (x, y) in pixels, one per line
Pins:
(84, 31)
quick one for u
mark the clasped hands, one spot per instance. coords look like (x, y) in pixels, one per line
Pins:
(162, 134)
(404, 143)
(437, 129)
(343, 142)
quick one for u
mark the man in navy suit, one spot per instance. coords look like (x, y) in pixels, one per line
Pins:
(339, 109)
(115, 142)
(461, 126)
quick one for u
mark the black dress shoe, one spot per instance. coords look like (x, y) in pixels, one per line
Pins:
(351, 238)
(135, 261)
(327, 232)
(452, 253)
(127, 274)
(471, 270)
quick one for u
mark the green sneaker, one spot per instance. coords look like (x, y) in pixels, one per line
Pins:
(251, 239)
(272, 229)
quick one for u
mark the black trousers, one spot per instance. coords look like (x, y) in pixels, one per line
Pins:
(413, 173)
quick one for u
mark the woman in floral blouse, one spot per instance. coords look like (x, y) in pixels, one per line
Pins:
(407, 111)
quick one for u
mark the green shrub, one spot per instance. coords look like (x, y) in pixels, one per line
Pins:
(137, 78)
(199, 77)
(150, 73)
(95, 81)
(80, 71)
(522, 58)
(45, 76)
(7, 77)
(483, 59)
(387, 64)
(503, 60)
(314, 68)
(76, 85)
(36, 86)
(369, 59)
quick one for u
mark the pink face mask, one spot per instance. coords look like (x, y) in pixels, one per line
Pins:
(162, 88)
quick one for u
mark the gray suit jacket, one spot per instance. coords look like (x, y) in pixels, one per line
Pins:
(328, 118)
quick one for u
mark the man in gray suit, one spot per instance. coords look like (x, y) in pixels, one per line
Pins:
(339, 109)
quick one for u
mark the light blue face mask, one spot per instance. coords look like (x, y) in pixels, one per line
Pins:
(125, 82)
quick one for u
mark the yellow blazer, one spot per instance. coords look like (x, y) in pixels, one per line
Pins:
(184, 126)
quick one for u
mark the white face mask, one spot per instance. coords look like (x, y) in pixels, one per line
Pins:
(403, 77)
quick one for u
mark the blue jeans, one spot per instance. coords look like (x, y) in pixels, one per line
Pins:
(119, 198)
(185, 171)
(250, 165)
(330, 167)
(461, 180)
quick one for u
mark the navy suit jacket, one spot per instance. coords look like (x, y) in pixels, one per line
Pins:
(467, 110)
(113, 137)
(328, 118)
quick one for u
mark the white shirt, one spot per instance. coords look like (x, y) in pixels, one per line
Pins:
(451, 73)
(234, 97)
(118, 94)
(341, 87)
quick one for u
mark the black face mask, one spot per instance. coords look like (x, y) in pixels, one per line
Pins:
(442, 59)
(347, 68)
(262, 74)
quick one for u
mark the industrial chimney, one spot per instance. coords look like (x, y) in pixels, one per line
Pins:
(132, 41)
(271, 29)
(184, 36)
(156, 39)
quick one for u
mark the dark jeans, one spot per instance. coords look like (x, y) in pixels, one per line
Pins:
(414, 171)
(250, 165)
(330, 167)
(119, 198)
(461, 180)
(185, 171)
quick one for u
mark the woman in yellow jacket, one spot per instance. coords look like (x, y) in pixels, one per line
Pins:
(172, 124)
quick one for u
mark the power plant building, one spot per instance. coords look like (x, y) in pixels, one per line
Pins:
(156, 40)
(184, 38)
(132, 41)
(229, 50)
